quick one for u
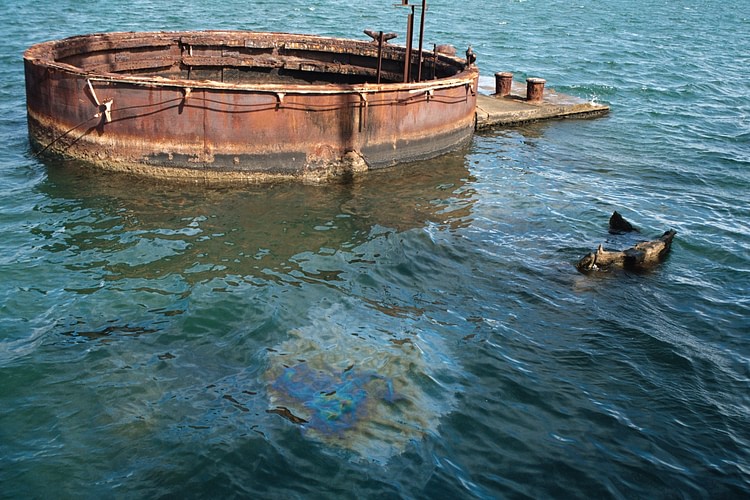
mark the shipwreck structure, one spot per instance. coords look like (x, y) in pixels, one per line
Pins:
(240, 106)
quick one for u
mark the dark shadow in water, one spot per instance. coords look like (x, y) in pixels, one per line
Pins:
(125, 227)
(110, 331)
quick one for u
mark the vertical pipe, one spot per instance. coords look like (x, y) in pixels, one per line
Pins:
(434, 60)
(381, 37)
(409, 36)
(421, 39)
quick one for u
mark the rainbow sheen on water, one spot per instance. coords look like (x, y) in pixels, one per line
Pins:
(358, 390)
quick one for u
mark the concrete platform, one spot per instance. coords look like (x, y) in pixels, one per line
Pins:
(514, 109)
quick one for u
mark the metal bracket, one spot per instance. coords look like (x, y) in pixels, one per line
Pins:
(363, 104)
(104, 108)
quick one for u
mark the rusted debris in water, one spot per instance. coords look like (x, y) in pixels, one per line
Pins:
(642, 256)
(618, 224)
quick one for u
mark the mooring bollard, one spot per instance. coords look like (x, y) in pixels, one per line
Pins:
(503, 83)
(535, 89)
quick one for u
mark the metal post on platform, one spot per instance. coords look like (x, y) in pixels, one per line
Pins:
(409, 37)
(380, 55)
(535, 89)
(503, 83)
(381, 38)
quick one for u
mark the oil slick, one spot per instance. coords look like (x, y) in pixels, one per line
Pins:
(334, 401)
(371, 393)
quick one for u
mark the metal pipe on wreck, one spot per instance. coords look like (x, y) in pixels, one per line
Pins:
(434, 60)
(421, 39)
(409, 42)
(380, 55)
(381, 38)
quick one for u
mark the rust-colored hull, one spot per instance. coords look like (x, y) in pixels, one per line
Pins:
(241, 106)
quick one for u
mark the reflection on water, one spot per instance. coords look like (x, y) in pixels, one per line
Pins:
(358, 389)
(109, 250)
(158, 229)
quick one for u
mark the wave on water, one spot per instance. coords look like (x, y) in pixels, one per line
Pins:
(13, 349)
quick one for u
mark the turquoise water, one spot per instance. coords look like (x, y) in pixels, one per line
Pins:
(421, 332)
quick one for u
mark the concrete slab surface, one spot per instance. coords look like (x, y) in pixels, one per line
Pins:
(493, 111)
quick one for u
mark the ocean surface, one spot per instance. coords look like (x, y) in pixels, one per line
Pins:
(421, 332)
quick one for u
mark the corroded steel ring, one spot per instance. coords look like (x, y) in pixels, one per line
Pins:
(233, 106)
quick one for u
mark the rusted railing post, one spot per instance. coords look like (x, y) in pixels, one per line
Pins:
(409, 41)
(421, 39)
(381, 38)
(535, 89)
(503, 83)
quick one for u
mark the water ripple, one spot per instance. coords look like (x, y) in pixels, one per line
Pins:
(142, 327)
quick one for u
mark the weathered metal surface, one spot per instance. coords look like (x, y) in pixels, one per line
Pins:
(242, 106)
(535, 89)
(503, 83)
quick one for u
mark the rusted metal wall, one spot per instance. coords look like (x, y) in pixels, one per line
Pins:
(141, 102)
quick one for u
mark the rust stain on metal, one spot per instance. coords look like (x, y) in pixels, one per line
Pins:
(237, 106)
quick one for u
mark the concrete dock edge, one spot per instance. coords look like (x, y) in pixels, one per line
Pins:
(514, 109)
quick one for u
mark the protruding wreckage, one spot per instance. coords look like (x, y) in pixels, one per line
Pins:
(239, 106)
(642, 256)
(618, 224)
